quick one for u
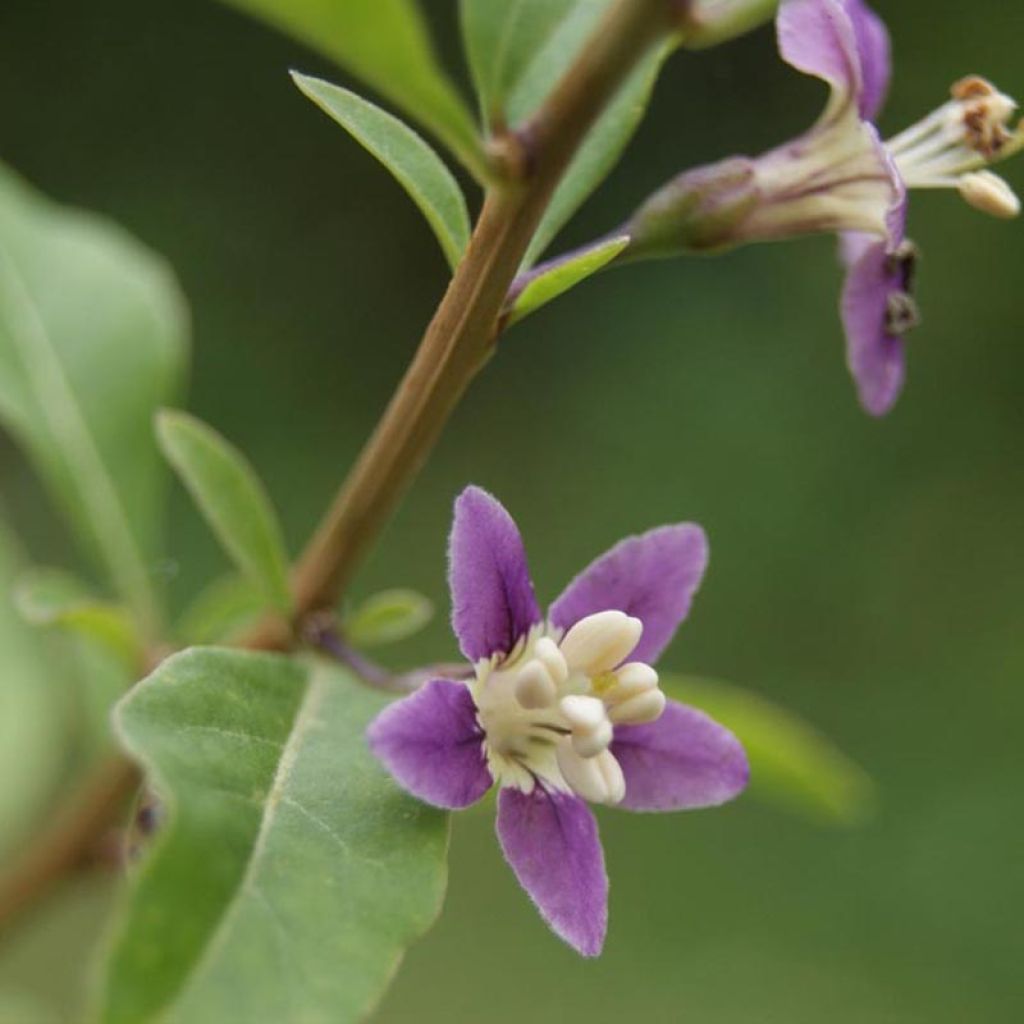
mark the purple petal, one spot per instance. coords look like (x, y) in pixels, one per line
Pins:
(875, 57)
(653, 576)
(551, 842)
(817, 37)
(433, 746)
(875, 357)
(681, 761)
(493, 603)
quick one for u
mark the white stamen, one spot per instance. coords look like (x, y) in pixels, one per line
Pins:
(546, 651)
(632, 679)
(534, 686)
(597, 779)
(590, 744)
(644, 707)
(989, 193)
(599, 642)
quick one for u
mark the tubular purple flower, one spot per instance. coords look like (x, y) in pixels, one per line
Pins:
(841, 177)
(562, 711)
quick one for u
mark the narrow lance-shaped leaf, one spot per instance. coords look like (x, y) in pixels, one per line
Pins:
(92, 340)
(417, 168)
(792, 764)
(501, 39)
(548, 284)
(230, 496)
(387, 617)
(53, 597)
(601, 149)
(386, 44)
(288, 858)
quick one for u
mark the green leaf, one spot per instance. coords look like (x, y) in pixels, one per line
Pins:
(557, 280)
(92, 340)
(220, 612)
(501, 39)
(386, 44)
(388, 617)
(418, 169)
(33, 727)
(792, 764)
(231, 497)
(601, 149)
(53, 597)
(291, 873)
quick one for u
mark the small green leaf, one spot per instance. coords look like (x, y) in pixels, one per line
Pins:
(53, 597)
(288, 859)
(501, 39)
(418, 169)
(229, 494)
(388, 617)
(557, 280)
(601, 149)
(386, 44)
(92, 340)
(221, 612)
(792, 764)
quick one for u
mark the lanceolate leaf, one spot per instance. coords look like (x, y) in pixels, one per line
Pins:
(291, 873)
(385, 43)
(601, 149)
(791, 763)
(53, 597)
(231, 497)
(92, 340)
(557, 280)
(387, 617)
(418, 169)
(501, 39)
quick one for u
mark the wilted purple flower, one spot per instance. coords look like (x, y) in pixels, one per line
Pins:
(556, 715)
(839, 176)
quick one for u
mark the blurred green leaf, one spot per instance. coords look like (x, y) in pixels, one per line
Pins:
(231, 498)
(791, 763)
(386, 44)
(288, 859)
(388, 617)
(33, 726)
(53, 597)
(501, 39)
(417, 168)
(221, 611)
(92, 340)
(549, 284)
(601, 149)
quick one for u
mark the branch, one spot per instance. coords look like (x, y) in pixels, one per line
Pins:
(462, 334)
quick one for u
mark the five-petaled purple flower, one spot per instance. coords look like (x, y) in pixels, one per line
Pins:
(561, 710)
(840, 176)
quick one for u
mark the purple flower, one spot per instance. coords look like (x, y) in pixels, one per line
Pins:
(562, 710)
(841, 177)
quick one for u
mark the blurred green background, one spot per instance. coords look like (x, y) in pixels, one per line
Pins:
(869, 575)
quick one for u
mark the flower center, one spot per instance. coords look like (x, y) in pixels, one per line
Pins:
(549, 708)
(951, 146)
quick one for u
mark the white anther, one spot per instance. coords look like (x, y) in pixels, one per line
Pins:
(597, 779)
(546, 651)
(599, 642)
(631, 679)
(584, 714)
(588, 720)
(988, 192)
(534, 686)
(644, 707)
(590, 744)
